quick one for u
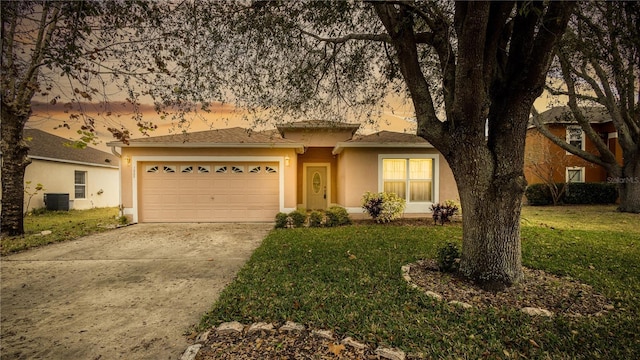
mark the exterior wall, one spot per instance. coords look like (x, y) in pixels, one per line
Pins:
(316, 155)
(358, 172)
(539, 149)
(57, 177)
(131, 165)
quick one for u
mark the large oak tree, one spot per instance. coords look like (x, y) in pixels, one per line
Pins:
(472, 71)
(72, 52)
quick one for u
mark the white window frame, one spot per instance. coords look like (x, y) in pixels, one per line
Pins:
(568, 136)
(414, 207)
(574, 168)
(76, 185)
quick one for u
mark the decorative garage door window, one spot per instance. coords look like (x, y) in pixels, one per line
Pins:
(271, 169)
(206, 169)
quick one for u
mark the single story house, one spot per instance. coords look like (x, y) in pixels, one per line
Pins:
(88, 177)
(235, 174)
(542, 157)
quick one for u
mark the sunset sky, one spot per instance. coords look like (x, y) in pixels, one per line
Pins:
(48, 117)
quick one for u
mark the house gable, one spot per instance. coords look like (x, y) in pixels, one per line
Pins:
(49, 147)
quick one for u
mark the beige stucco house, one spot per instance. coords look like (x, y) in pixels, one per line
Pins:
(88, 177)
(236, 174)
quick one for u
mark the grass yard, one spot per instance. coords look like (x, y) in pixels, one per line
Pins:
(349, 280)
(64, 226)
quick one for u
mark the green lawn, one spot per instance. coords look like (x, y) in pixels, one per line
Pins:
(308, 276)
(64, 226)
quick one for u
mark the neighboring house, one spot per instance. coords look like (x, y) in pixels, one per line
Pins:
(541, 155)
(89, 176)
(238, 175)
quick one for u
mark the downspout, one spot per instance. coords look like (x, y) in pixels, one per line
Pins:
(119, 156)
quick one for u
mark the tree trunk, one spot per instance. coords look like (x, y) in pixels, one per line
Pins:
(490, 176)
(491, 252)
(14, 163)
(629, 186)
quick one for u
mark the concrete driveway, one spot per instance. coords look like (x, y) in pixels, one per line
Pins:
(130, 293)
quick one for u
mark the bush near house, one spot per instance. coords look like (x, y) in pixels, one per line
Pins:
(383, 207)
(575, 193)
(334, 216)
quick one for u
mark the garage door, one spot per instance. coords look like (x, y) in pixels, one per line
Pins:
(208, 192)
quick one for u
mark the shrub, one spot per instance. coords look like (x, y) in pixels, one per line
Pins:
(337, 216)
(281, 220)
(575, 193)
(538, 195)
(316, 219)
(448, 258)
(383, 207)
(443, 212)
(590, 193)
(297, 218)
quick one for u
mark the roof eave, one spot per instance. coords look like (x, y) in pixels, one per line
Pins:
(299, 148)
(86, 163)
(342, 145)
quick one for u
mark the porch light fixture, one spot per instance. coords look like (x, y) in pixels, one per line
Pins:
(286, 160)
(127, 160)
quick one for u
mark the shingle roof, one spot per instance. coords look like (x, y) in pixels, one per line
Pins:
(563, 115)
(389, 137)
(43, 145)
(383, 139)
(318, 125)
(230, 137)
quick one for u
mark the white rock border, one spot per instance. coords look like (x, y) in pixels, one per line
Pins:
(236, 328)
(406, 270)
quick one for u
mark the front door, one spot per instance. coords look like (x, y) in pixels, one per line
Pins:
(316, 187)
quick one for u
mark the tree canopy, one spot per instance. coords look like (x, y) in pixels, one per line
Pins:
(598, 63)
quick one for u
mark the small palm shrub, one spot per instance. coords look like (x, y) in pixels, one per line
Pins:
(383, 207)
(448, 258)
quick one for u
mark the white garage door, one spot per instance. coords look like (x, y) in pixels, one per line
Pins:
(208, 191)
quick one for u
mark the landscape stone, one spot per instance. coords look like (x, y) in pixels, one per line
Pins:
(354, 344)
(261, 326)
(203, 337)
(433, 295)
(391, 354)
(461, 304)
(536, 311)
(45, 232)
(290, 326)
(325, 334)
(191, 352)
(230, 328)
